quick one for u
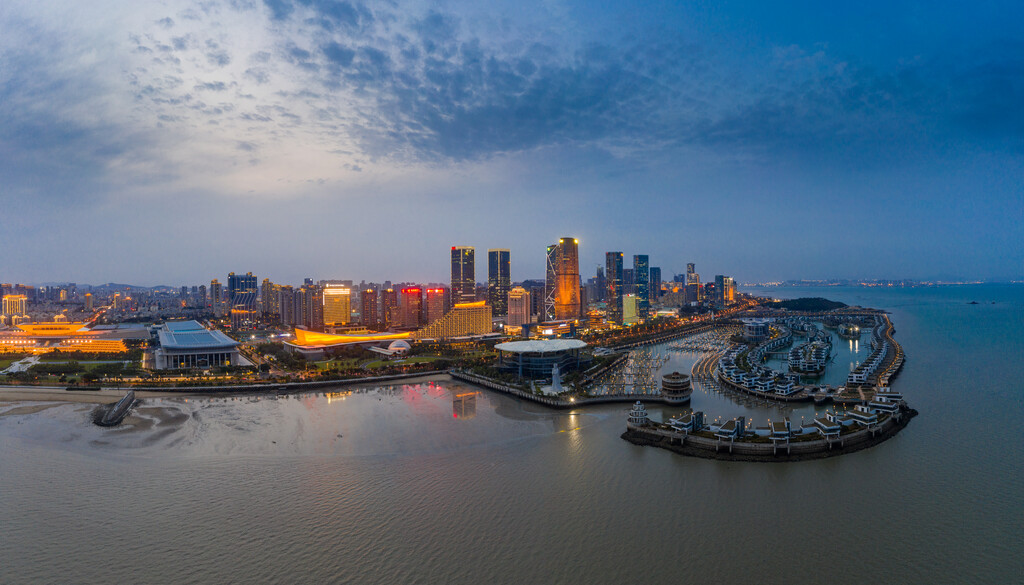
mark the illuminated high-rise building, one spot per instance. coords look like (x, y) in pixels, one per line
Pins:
(518, 306)
(613, 294)
(655, 283)
(216, 297)
(720, 289)
(412, 306)
(370, 311)
(691, 274)
(567, 279)
(435, 304)
(463, 274)
(499, 280)
(337, 304)
(464, 319)
(243, 296)
(389, 308)
(642, 283)
(88, 302)
(268, 298)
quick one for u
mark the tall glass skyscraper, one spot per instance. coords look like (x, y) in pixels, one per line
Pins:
(567, 279)
(463, 274)
(642, 280)
(499, 280)
(613, 292)
(655, 283)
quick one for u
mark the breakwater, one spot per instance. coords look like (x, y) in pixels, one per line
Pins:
(744, 450)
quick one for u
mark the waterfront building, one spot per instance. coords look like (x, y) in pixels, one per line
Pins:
(687, 423)
(412, 307)
(370, 311)
(463, 274)
(518, 307)
(536, 358)
(675, 388)
(655, 284)
(187, 344)
(613, 294)
(499, 280)
(316, 345)
(436, 302)
(638, 415)
(337, 304)
(756, 330)
(14, 305)
(567, 277)
(732, 429)
(465, 319)
(642, 280)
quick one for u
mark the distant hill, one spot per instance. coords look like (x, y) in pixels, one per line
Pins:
(806, 304)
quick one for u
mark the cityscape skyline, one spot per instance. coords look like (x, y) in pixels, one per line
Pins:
(773, 147)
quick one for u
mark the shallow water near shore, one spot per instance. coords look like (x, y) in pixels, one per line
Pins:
(439, 481)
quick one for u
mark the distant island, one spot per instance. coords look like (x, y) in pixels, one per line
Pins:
(806, 304)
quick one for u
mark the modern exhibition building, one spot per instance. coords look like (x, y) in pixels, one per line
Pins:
(187, 344)
(40, 338)
(316, 345)
(535, 358)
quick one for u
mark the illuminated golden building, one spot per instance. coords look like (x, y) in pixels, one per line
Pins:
(14, 304)
(313, 339)
(567, 279)
(464, 319)
(337, 304)
(44, 337)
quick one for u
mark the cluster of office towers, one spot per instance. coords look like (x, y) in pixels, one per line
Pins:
(561, 296)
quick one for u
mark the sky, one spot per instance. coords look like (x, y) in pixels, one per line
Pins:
(171, 142)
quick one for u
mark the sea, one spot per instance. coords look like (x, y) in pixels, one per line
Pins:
(438, 481)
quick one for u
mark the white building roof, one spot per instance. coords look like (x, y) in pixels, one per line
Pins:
(540, 345)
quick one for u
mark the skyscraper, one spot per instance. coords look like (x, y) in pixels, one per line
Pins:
(389, 308)
(434, 306)
(371, 315)
(550, 283)
(216, 297)
(567, 279)
(720, 289)
(499, 280)
(412, 306)
(642, 278)
(243, 296)
(463, 274)
(602, 285)
(613, 294)
(655, 283)
(518, 306)
(337, 304)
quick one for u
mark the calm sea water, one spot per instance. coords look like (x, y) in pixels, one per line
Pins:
(438, 482)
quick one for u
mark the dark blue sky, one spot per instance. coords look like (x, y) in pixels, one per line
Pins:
(174, 143)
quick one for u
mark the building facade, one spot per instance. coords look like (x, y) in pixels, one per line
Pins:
(613, 294)
(499, 280)
(463, 274)
(642, 280)
(567, 279)
(518, 306)
(463, 320)
(337, 304)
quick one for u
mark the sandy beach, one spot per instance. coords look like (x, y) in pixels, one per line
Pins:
(56, 394)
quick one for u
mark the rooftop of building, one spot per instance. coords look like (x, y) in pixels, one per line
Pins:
(192, 335)
(541, 345)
